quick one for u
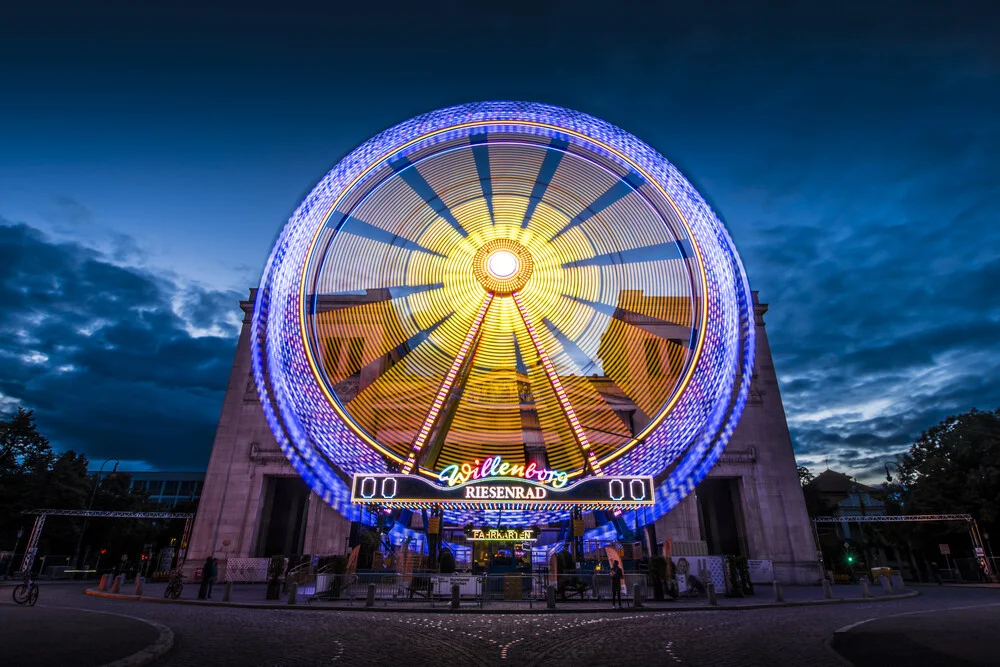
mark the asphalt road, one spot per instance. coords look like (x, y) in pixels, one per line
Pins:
(953, 627)
(958, 637)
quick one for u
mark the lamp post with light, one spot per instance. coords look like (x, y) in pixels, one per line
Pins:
(93, 495)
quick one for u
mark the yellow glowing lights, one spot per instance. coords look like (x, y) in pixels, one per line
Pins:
(502, 266)
(432, 375)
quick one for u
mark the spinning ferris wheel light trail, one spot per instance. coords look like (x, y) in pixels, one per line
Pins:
(449, 381)
(506, 283)
(550, 371)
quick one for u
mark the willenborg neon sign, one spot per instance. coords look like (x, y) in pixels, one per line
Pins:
(494, 466)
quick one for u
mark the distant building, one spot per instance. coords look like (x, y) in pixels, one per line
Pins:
(839, 495)
(166, 487)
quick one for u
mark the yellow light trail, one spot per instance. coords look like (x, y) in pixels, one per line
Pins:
(446, 385)
(557, 387)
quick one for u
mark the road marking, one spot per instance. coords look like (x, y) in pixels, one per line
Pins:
(670, 652)
(848, 628)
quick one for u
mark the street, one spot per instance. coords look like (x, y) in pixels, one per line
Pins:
(916, 631)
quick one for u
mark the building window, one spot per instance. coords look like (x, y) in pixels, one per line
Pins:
(170, 488)
(197, 488)
(155, 487)
(186, 489)
(139, 485)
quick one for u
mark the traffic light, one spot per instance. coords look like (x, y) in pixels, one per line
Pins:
(104, 551)
(850, 558)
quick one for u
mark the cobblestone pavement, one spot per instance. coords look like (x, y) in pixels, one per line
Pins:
(957, 637)
(775, 636)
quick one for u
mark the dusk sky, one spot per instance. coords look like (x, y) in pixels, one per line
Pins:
(149, 154)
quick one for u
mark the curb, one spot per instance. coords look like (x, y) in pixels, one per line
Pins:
(164, 642)
(152, 652)
(541, 610)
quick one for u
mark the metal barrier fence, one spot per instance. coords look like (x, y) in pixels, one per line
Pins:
(476, 588)
(246, 570)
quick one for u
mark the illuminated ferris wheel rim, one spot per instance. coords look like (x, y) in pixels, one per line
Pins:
(336, 404)
(295, 437)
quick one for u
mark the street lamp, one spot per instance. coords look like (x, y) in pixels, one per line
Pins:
(888, 477)
(93, 495)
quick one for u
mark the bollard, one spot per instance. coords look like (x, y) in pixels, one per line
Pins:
(103, 584)
(886, 585)
(897, 583)
(550, 597)
(116, 585)
(456, 595)
(827, 589)
(712, 600)
(636, 596)
(138, 585)
(293, 593)
(778, 597)
(227, 592)
(864, 588)
(370, 600)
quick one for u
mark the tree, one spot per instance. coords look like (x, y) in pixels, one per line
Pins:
(805, 475)
(22, 447)
(953, 467)
(33, 476)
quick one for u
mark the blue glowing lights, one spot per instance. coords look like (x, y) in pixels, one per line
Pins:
(618, 244)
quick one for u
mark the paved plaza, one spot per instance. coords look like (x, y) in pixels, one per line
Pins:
(942, 626)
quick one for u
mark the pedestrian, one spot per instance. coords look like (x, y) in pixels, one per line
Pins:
(936, 572)
(213, 572)
(206, 572)
(617, 575)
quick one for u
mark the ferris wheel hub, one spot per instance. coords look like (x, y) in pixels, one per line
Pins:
(502, 266)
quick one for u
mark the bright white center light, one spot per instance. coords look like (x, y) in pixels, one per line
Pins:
(502, 264)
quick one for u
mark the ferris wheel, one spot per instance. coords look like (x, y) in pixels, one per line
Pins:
(503, 282)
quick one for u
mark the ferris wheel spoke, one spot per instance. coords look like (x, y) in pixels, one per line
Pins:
(553, 156)
(358, 227)
(446, 386)
(671, 331)
(650, 253)
(412, 177)
(481, 155)
(564, 402)
(620, 189)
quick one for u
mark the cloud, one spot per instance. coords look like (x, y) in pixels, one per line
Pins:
(115, 360)
(885, 310)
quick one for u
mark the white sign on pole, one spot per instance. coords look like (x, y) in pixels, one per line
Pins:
(980, 553)
(945, 549)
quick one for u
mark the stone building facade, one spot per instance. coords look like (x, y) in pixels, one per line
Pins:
(254, 504)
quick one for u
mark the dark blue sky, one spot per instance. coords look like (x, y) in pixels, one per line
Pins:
(149, 155)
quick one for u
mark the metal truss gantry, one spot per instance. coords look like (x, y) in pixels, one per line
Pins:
(36, 531)
(977, 540)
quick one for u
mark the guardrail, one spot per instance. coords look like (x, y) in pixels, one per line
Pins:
(477, 588)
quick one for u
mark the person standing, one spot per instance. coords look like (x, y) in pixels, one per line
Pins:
(617, 575)
(206, 573)
(213, 572)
